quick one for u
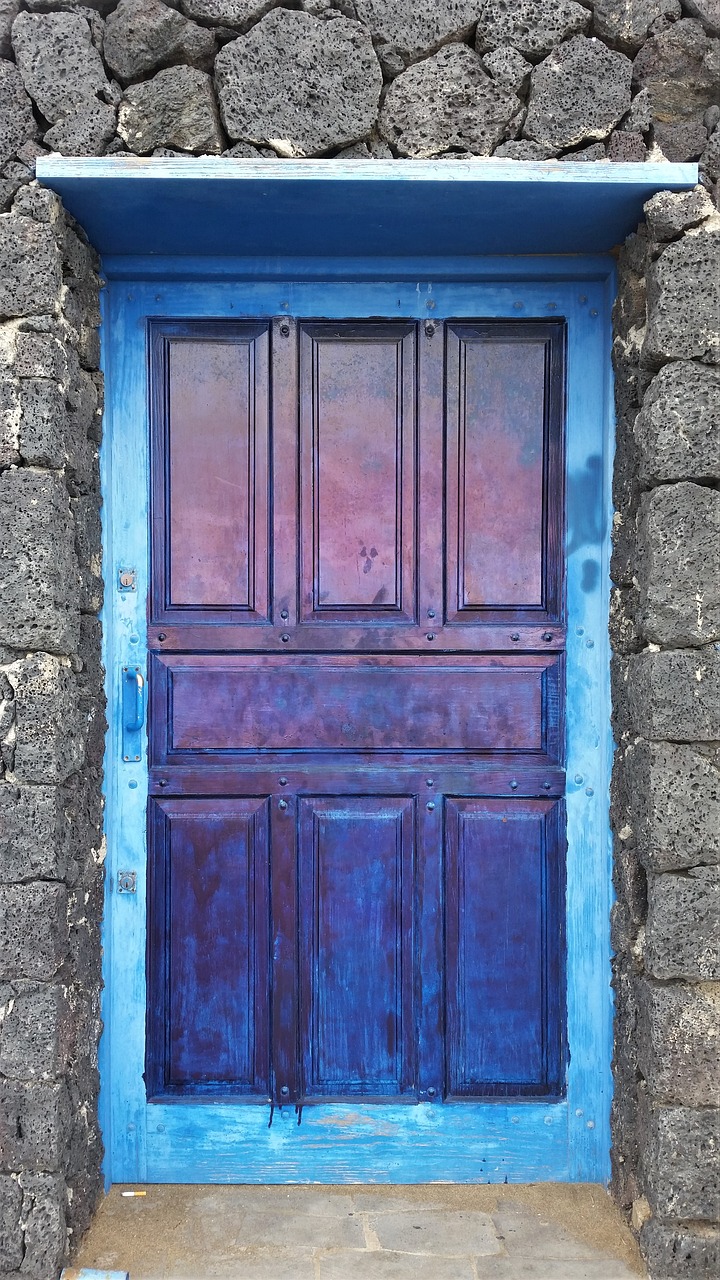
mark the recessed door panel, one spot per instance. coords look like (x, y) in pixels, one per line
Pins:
(504, 445)
(358, 471)
(356, 864)
(209, 976)
(503, 929)
(211, 442)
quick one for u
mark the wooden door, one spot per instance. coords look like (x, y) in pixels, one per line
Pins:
(356, 633)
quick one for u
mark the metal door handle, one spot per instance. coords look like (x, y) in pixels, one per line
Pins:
(133, 699)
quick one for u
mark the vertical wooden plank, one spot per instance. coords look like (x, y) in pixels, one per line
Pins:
(283, 891)
(284, 375)
(430, 971)
(431, 447)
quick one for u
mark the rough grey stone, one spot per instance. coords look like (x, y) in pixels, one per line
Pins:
(682, 936)
(39, 573)
(39, 355)
(11, 1236)
(707, 12)
(686, 1141)
(670, 213)
(639, 117)
(680, 141)
(679, 1042)
(35, 202)
(509, 68)
(143, 35)
(33, 929)
(8, 188)
(596, 151)
(681, 1251)
(59, 65)
(43, 428)
(9, 10)
(86, 132)
(532, 26)
(625, 147)
(684, 322)
(239, 14)
(711, 119)
(50, 729)
(37, 833)
(671, 695)
(30, 267)
(678, 428)
(680, 68)
(34, 1122)
(446, 103)
(177, 108)
(244, 151)
(522, 150)
(330, 77)
(44, 1218)
(407, 30)
(35, 1033)
(17, 121)
(579, 93)
(674, 805)
(679, 546)
(625, 24)
(710, 159)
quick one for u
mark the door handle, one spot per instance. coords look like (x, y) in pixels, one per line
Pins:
(133, 711)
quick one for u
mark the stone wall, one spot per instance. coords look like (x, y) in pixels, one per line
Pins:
(523, 79)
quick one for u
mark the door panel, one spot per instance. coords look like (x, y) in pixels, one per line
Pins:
(356, 866)
(358, 471)
(249, 703)
(211, 504)
(504, 488)
(504, 896)
(209, 976)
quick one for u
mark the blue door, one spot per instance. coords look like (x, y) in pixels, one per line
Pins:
(355, 951)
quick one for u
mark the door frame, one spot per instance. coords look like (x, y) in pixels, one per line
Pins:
(515, 1140)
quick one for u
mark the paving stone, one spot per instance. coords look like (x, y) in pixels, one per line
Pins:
(299, 84)
(393, 1266)
(534, 27)
(680, 68)
(625, 24)
(682, 934)
(524, 1234)
(17, 122)
(303, 1231)
(448, 103)
(579, 93)
(683, 322)
(407, 30)
(674, 795)
(679, 558)
(678, 428)
(59, 65)
(443, 1232)
(679, 1041)
(560, 1269)
(177, 108)
(239, 14)
(144, 35)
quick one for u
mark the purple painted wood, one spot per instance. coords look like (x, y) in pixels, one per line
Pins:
(357, 691)
(209, 973)
(503, 925)
(356, 946)
(250, 703)
(358, 470)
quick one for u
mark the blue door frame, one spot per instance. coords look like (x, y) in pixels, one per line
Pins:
(493, 1141)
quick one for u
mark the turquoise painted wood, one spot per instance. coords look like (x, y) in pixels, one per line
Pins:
(220, 207)
(468, 1141)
